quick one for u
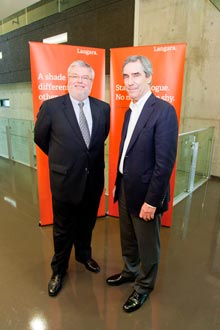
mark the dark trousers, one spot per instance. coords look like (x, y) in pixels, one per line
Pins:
(73, 225)
(140, 244)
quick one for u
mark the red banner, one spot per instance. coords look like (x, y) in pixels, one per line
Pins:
(49, 64)
(168, 70)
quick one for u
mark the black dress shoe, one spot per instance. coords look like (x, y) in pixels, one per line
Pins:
(55, 284)
(118, 279)
(92, 266)
(135, 301)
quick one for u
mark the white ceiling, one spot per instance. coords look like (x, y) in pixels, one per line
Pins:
(9, 7)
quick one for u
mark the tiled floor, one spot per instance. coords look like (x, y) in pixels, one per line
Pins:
(187, 293)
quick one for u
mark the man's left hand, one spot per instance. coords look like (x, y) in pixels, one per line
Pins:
(147, 212)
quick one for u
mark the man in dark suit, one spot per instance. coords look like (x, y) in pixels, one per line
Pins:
(76, 166)
(146, 159)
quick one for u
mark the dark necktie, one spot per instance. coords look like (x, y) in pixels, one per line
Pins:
(83, 124)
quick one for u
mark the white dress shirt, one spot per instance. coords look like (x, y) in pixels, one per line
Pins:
(136, 109)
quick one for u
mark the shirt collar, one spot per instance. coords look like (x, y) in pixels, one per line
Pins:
(76, 102)
(140, 103)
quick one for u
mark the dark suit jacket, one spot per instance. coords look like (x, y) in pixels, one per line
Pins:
(150, 156)
(71, 164)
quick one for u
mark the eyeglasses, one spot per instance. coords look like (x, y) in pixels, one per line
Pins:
(76, 77)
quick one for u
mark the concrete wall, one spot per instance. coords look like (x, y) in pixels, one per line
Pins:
(196, 23)
(21, 104)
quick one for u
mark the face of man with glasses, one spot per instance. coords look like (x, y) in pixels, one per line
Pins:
(80, 82)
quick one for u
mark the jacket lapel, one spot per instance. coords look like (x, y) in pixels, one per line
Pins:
(95, 120)
(143, 119)
(124, 130)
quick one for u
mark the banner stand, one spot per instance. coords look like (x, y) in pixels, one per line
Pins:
(168, 71)
(49, 64)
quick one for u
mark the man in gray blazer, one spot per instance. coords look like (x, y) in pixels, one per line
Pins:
(146, 160)
(76, 167)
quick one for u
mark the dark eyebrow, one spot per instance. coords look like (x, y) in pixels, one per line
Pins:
(134, 74)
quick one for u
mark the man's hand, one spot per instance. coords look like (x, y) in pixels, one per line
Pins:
(113, 192)
(147, 212)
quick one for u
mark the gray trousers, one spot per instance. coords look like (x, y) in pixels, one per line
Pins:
(140, 244)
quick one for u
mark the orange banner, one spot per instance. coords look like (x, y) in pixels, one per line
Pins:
(168, 71)
(49, 63)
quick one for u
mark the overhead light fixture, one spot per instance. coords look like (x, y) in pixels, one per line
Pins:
(58, 39)
(1, 55)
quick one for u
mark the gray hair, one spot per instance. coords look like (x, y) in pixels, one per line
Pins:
(83, 64)
(145, 62)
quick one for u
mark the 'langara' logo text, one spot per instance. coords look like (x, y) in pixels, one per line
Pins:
(164, 48)
(86, 51)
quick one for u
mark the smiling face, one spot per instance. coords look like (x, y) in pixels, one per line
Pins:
(136, 82)
(79, 82)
